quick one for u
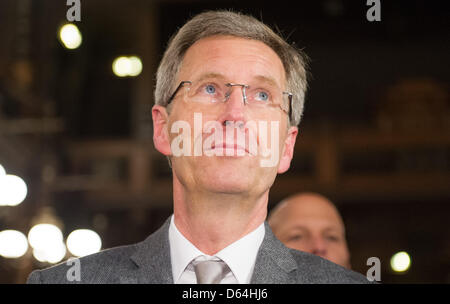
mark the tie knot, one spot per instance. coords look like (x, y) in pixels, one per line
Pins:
(210, 271)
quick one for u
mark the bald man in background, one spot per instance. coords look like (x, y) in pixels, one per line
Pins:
(311, 223)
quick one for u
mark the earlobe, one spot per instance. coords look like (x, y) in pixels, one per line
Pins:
(288, 150)
(161, 138)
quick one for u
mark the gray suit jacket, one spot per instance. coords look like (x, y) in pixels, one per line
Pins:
(149, 262)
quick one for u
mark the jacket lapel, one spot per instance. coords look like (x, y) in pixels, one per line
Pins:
(274, 263)
(152, 258)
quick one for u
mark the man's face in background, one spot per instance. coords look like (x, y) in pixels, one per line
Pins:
(312, 224)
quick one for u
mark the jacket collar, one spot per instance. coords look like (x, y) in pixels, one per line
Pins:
(274, 262)
(152, 258)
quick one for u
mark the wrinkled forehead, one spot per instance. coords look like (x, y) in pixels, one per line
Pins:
(236, 59)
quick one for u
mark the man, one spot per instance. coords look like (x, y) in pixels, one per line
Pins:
(222, 73)
(310, 222)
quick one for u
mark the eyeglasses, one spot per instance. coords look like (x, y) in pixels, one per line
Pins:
(258, 95)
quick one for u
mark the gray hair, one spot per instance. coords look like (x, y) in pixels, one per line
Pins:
(229, 23)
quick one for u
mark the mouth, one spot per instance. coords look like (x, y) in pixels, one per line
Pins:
(236, 148)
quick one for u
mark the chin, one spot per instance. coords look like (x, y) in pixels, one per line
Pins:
(227, 188)
(226, 179)
(236, 180)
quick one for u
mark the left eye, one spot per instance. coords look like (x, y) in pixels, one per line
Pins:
(210, 89)
(262, 96)
(332, 238)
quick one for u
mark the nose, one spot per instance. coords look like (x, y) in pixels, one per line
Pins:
(234, 107)
(319, 247)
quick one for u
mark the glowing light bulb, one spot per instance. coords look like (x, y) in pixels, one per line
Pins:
(13, 244)
(135, 66)
(83, 242)
(42, 235)
(121, 66)
(70, 36)
(400, 261)
(127, 66)
(51, 254)
(47, 242)
(13, 190)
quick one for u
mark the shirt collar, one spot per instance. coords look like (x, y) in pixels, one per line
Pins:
(240, 256)
(182, 252)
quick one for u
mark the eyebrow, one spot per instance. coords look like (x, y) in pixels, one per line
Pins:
(271, 81)
(297, 228)
(210, 75)
(334, 229)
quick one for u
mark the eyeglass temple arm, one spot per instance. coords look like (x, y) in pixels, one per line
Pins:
(176, 91)
(290, 105)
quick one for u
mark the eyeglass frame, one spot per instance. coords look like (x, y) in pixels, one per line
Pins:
(230, 84)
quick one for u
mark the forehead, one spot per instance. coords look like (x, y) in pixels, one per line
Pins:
(313, 214)
(236, 59)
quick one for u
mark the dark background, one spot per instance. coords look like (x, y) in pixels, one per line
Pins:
(375, 137)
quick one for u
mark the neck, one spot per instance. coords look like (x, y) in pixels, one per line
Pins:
(212, 221)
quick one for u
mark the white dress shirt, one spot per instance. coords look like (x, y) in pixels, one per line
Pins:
(240, 256)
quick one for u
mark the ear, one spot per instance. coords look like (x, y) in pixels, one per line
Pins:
(161, 138)
(288, 150)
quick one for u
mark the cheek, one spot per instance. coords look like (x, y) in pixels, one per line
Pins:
(338, 248)
(271, 134)
(299, 245)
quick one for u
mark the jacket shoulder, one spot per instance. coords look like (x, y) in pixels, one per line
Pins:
(316, 270)
(102, 267)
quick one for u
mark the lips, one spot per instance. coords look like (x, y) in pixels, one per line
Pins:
(227, 146)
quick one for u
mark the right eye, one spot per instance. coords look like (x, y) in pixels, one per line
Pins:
(210, 89)
(295, 237)
(262, 96)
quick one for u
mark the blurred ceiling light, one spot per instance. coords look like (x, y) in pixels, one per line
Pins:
(83, 242)
(47, 242)
(121, 66)
(44, 235)
(13, 190)
(135, 66)
(127, 66)
(39, 255)
(2, 171)
(70, 36)
(51, 254)
(13, 244)
(400, 262)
